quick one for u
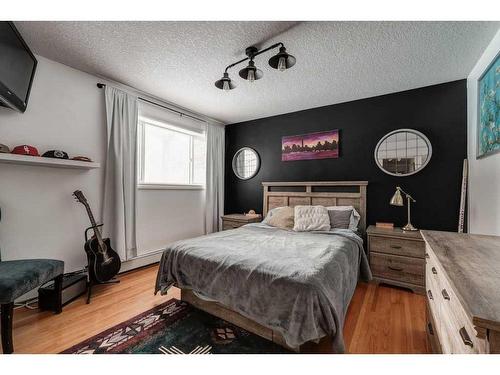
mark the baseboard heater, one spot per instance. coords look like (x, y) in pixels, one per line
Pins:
(73, 287)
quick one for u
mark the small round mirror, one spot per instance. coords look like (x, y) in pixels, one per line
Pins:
(246, 163)
(403, 152)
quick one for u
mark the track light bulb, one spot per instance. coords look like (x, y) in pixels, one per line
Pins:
(282, 64)
(225, 83)
(251, 76)
(251, 73)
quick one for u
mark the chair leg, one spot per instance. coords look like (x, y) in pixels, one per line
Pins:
(58, 281)
(7, 312)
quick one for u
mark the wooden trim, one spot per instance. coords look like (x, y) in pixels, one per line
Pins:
(331, 197)
(418, 289)
(311, 194)
(241, 218)
(395, 235)
(317, 183)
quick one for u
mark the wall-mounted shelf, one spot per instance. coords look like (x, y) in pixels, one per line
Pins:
(47, 162)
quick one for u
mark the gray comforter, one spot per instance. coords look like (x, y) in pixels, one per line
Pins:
(297, 283)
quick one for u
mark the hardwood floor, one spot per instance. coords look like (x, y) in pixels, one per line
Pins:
(385, 320)
(380, 319)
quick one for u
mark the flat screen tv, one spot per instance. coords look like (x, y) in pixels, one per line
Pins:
(17, 68)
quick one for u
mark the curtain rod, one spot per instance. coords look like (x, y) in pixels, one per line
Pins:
(182, 114)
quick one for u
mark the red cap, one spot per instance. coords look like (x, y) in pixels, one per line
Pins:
(25, 150)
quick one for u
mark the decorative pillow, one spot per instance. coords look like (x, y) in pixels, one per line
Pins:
(282, 218)
(355, 217)
(340, 219)
(270, 213)
(309, 218)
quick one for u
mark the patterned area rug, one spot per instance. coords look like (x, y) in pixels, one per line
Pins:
(175, 327)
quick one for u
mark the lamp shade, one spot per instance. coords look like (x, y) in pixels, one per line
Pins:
(397, 198)
(251, 73)
(225, 83)
(282, 60)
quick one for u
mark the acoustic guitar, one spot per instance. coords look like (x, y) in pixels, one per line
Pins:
(104, 262)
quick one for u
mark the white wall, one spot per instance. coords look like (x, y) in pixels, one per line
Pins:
(165, 216)
(484, 177)
(40, 219)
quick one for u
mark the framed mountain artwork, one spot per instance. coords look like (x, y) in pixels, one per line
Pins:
(488, 122)
(320, 145)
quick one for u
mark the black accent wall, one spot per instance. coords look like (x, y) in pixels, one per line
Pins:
(439, 111)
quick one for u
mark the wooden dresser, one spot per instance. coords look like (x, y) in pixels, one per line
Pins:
(463, 292)
(233, 221)
(397, 257)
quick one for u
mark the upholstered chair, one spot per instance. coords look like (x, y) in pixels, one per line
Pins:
(18, 277)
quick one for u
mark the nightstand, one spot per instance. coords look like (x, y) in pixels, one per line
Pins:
(397, 257)
(237, 220)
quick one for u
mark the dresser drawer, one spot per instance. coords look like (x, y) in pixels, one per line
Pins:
(455, 329)
(398, 268)
(434, 303)
(431, 329)
(397, 246)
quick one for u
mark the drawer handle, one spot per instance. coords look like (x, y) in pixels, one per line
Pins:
(465, 337)
(395, 247)
(395, 268)
(445, 294)
(429, 327)
(429, 293)
(434, 271)
(427, 255)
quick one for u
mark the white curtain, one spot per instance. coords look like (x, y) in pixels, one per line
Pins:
(215, 177)
(119, 208)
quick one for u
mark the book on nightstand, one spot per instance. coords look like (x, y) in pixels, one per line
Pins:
(380, 224)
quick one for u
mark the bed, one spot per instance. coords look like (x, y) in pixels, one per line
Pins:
(292, 288)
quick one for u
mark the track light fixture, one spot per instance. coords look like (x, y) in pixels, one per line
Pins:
(251, 73)
(281, 61)
(225, 83)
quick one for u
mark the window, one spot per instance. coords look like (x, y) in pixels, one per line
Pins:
(170, 156)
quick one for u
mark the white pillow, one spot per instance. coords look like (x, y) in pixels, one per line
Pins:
(355, 216)
(309, 218)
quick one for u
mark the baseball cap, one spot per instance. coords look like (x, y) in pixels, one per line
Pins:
(57, 154)
(4, 149)
(81, 158)
(25, 150)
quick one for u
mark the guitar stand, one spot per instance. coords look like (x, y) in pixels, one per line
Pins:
(90, 282)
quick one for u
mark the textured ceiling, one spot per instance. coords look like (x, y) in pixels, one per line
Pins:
(336, 61)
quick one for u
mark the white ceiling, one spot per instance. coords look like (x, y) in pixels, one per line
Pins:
(336, 61)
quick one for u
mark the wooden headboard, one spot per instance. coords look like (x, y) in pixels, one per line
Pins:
(323, 193)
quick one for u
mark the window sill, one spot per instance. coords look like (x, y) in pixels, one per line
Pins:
(169, 187)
